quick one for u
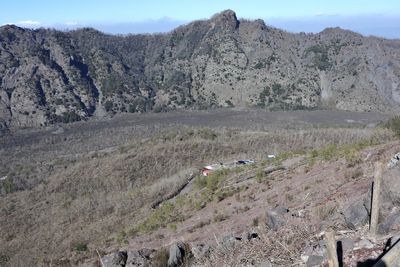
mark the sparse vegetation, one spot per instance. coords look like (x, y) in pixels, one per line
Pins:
(255, 222)
(136, 165)
(348, 151)
(163, 216)
(321, 58)
(394, 125)
(220, 216)
(161, 258)
(325, 211)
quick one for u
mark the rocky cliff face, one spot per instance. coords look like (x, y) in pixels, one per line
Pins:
(49, 76)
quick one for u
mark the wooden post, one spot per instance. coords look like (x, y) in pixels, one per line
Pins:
(376, 198)
(331, 247)
(101, 261)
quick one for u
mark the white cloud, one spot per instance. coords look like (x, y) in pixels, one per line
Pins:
(25, 23)
(28, 23)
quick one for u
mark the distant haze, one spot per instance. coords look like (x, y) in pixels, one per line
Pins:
(376, 25)
(382, 26)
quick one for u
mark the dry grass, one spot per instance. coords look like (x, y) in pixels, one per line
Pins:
(89, 197)
(283, 248)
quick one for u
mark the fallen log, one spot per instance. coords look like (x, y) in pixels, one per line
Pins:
(173, 194)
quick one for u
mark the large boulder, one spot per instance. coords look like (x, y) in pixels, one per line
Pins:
(356, 215)
(391, 223)
(276, 217)
(177, 254)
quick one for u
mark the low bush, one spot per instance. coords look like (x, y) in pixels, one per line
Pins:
(394, 125)
(80, 247)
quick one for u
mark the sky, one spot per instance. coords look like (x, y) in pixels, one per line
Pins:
(369, 17)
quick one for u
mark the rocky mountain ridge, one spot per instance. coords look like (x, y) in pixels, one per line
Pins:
(49, 76)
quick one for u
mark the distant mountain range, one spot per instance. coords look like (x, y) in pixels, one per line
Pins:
(49, 76)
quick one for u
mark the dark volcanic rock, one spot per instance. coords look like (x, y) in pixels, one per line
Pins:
(390, 224)
(140, 258)
(120, 259)
(356, 215)
(176, 254)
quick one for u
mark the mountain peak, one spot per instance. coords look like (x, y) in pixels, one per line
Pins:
(227, 19)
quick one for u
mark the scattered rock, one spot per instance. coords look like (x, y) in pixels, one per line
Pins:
(200, 251)
(364, 243)
(316, 249)
(107, 260)
(356, 215)
(140, 258)
(314, 260)
(59, 130)
(176, 254)
(250, 235)
(394, 160)
(299, 213)
(274, 218)
(119, 259)
(229, 240)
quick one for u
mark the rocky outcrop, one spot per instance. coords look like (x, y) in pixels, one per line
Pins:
(48, 76)
(356, 215)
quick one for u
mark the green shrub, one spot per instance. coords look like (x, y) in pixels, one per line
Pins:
(80, 247)
(172, 226)
(256, 222)
(166, 214)
(394, 125)
(225, 193)
(260, 176)
(212, 181)
(121, 238)
(259, 65)
(7, 186)
(329, 152)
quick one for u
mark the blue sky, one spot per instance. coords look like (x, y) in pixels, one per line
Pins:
(124, 16)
